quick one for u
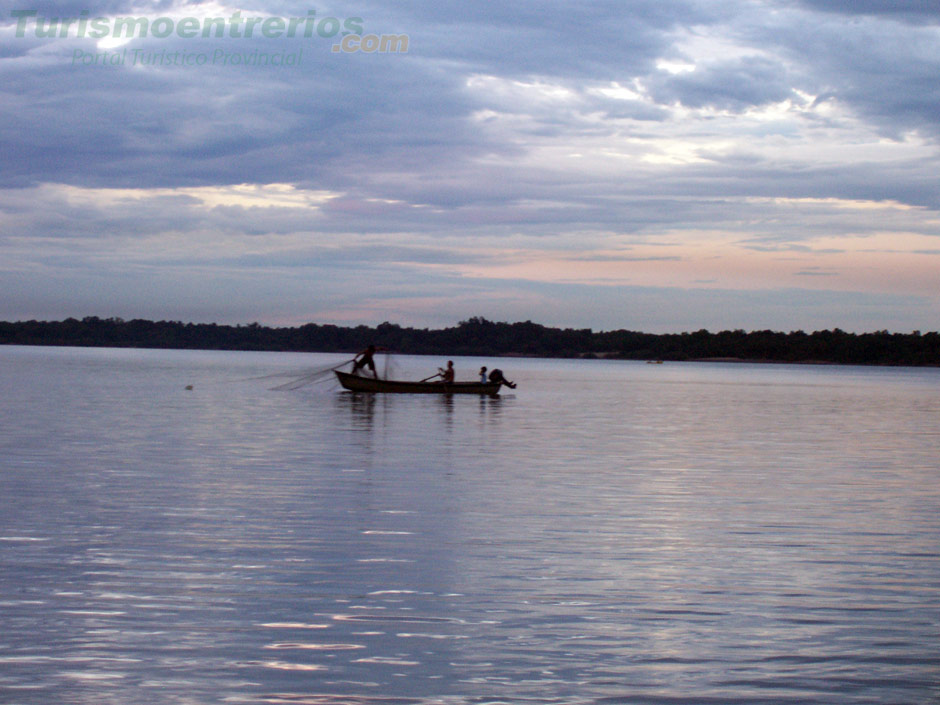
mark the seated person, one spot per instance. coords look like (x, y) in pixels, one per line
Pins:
(447, 375)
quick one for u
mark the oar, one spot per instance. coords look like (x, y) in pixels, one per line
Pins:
(426, 379)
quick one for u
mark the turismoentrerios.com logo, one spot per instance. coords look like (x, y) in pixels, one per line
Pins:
(348, 33)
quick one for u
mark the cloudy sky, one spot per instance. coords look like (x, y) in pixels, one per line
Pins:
(658, 165)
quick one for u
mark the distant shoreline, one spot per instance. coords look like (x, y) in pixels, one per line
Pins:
(768, 362)
(480, 337)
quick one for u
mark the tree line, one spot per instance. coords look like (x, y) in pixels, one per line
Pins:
(478, 336)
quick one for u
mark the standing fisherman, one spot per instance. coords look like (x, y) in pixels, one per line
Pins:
(366, 359)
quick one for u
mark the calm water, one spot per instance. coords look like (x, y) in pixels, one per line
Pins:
(610, 532)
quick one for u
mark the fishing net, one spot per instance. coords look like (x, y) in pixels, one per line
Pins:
(302, 378)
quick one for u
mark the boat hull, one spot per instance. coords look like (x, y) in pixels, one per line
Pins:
(355, 383)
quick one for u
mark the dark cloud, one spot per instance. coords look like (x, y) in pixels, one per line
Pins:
(908, 10)
(736, 85)
(883, 71)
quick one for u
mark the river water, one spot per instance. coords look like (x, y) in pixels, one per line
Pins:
(609, 532)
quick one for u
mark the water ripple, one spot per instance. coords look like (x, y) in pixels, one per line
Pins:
(611, 534)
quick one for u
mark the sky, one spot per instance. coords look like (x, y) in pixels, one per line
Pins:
(655, 165)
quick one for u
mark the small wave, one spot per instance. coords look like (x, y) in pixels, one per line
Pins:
(285, 666)
(316, 647)
(387, 661)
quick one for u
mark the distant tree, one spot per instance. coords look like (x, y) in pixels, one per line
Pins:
(479, 336)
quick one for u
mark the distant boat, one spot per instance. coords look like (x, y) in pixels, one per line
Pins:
(355, 383)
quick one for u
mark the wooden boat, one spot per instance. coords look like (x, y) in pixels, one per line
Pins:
(355, 383)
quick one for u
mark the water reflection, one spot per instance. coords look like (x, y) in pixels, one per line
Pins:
(383, 415)
(361, 409)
